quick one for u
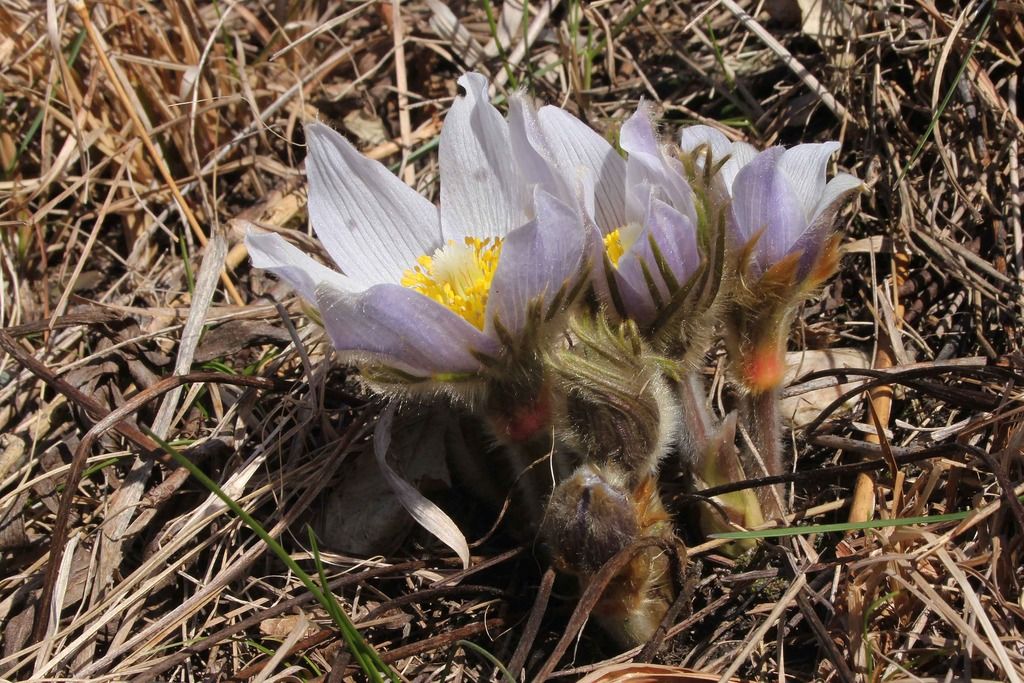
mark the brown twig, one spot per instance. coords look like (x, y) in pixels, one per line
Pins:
(529, 635)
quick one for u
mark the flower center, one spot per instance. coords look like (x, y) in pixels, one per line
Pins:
(620, 240)
(458, 276)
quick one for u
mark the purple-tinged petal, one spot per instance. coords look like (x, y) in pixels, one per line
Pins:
(372, 224)
(577, 148)
(537, 259)
(676, 239)
(401, 328)
(647, 166)
(811, 242)
(482, 194)
(763, 201)
(532, 151)
(271, 252)
(804, 166)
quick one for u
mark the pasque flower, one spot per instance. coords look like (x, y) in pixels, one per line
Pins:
(643, 219)
(781, 205)
(434, 293)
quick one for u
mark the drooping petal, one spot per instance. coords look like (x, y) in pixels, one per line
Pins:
(482, 194)
(402, 329)
(579, 149)
(764, 201)
(804, 166)
(272, 252)
(422, 509)
(537, 259)
(372, 224)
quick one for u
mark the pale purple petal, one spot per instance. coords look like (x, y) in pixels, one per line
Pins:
(636, 300)
(537, 259)
(647, 166)
(401, 328)
(273, 253)
(482, 194)
(372, 224)
(676, 238)
(577, 149)
(805, 166)
(763, 201)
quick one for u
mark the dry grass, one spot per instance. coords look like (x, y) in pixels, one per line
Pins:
(121, 210)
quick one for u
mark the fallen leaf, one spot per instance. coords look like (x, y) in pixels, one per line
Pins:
(799, 410)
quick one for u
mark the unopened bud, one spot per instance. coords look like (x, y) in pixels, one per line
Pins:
(618, 408)
(592, 517)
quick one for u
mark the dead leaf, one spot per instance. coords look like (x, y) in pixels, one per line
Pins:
(280, 627)
(799, 410)
(233, 336)
(648, 673)
(369, 129)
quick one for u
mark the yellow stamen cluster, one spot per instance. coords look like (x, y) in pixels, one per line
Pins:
(613, 246)
(458, 276)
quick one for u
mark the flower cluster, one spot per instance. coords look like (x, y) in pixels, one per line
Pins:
(564, 294)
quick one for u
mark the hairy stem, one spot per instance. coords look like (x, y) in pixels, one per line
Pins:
(698, 425)
(764, 424)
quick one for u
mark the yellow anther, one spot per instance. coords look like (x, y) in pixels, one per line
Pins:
(458, 276)
(613, 246)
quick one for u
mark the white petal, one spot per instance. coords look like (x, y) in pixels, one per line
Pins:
(579, 149)
(272, 252)
(426, 513)
(804, 166)
(531, 150)
(740, 154)
(693, 137)
(482, 194)
(372, 224)
(836, 192)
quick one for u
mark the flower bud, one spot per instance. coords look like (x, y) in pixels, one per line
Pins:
(617, 407)
(591, 518)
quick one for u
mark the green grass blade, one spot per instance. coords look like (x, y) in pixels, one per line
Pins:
(945, 100)
(489, 657)
(364, 653)
(842, 526)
